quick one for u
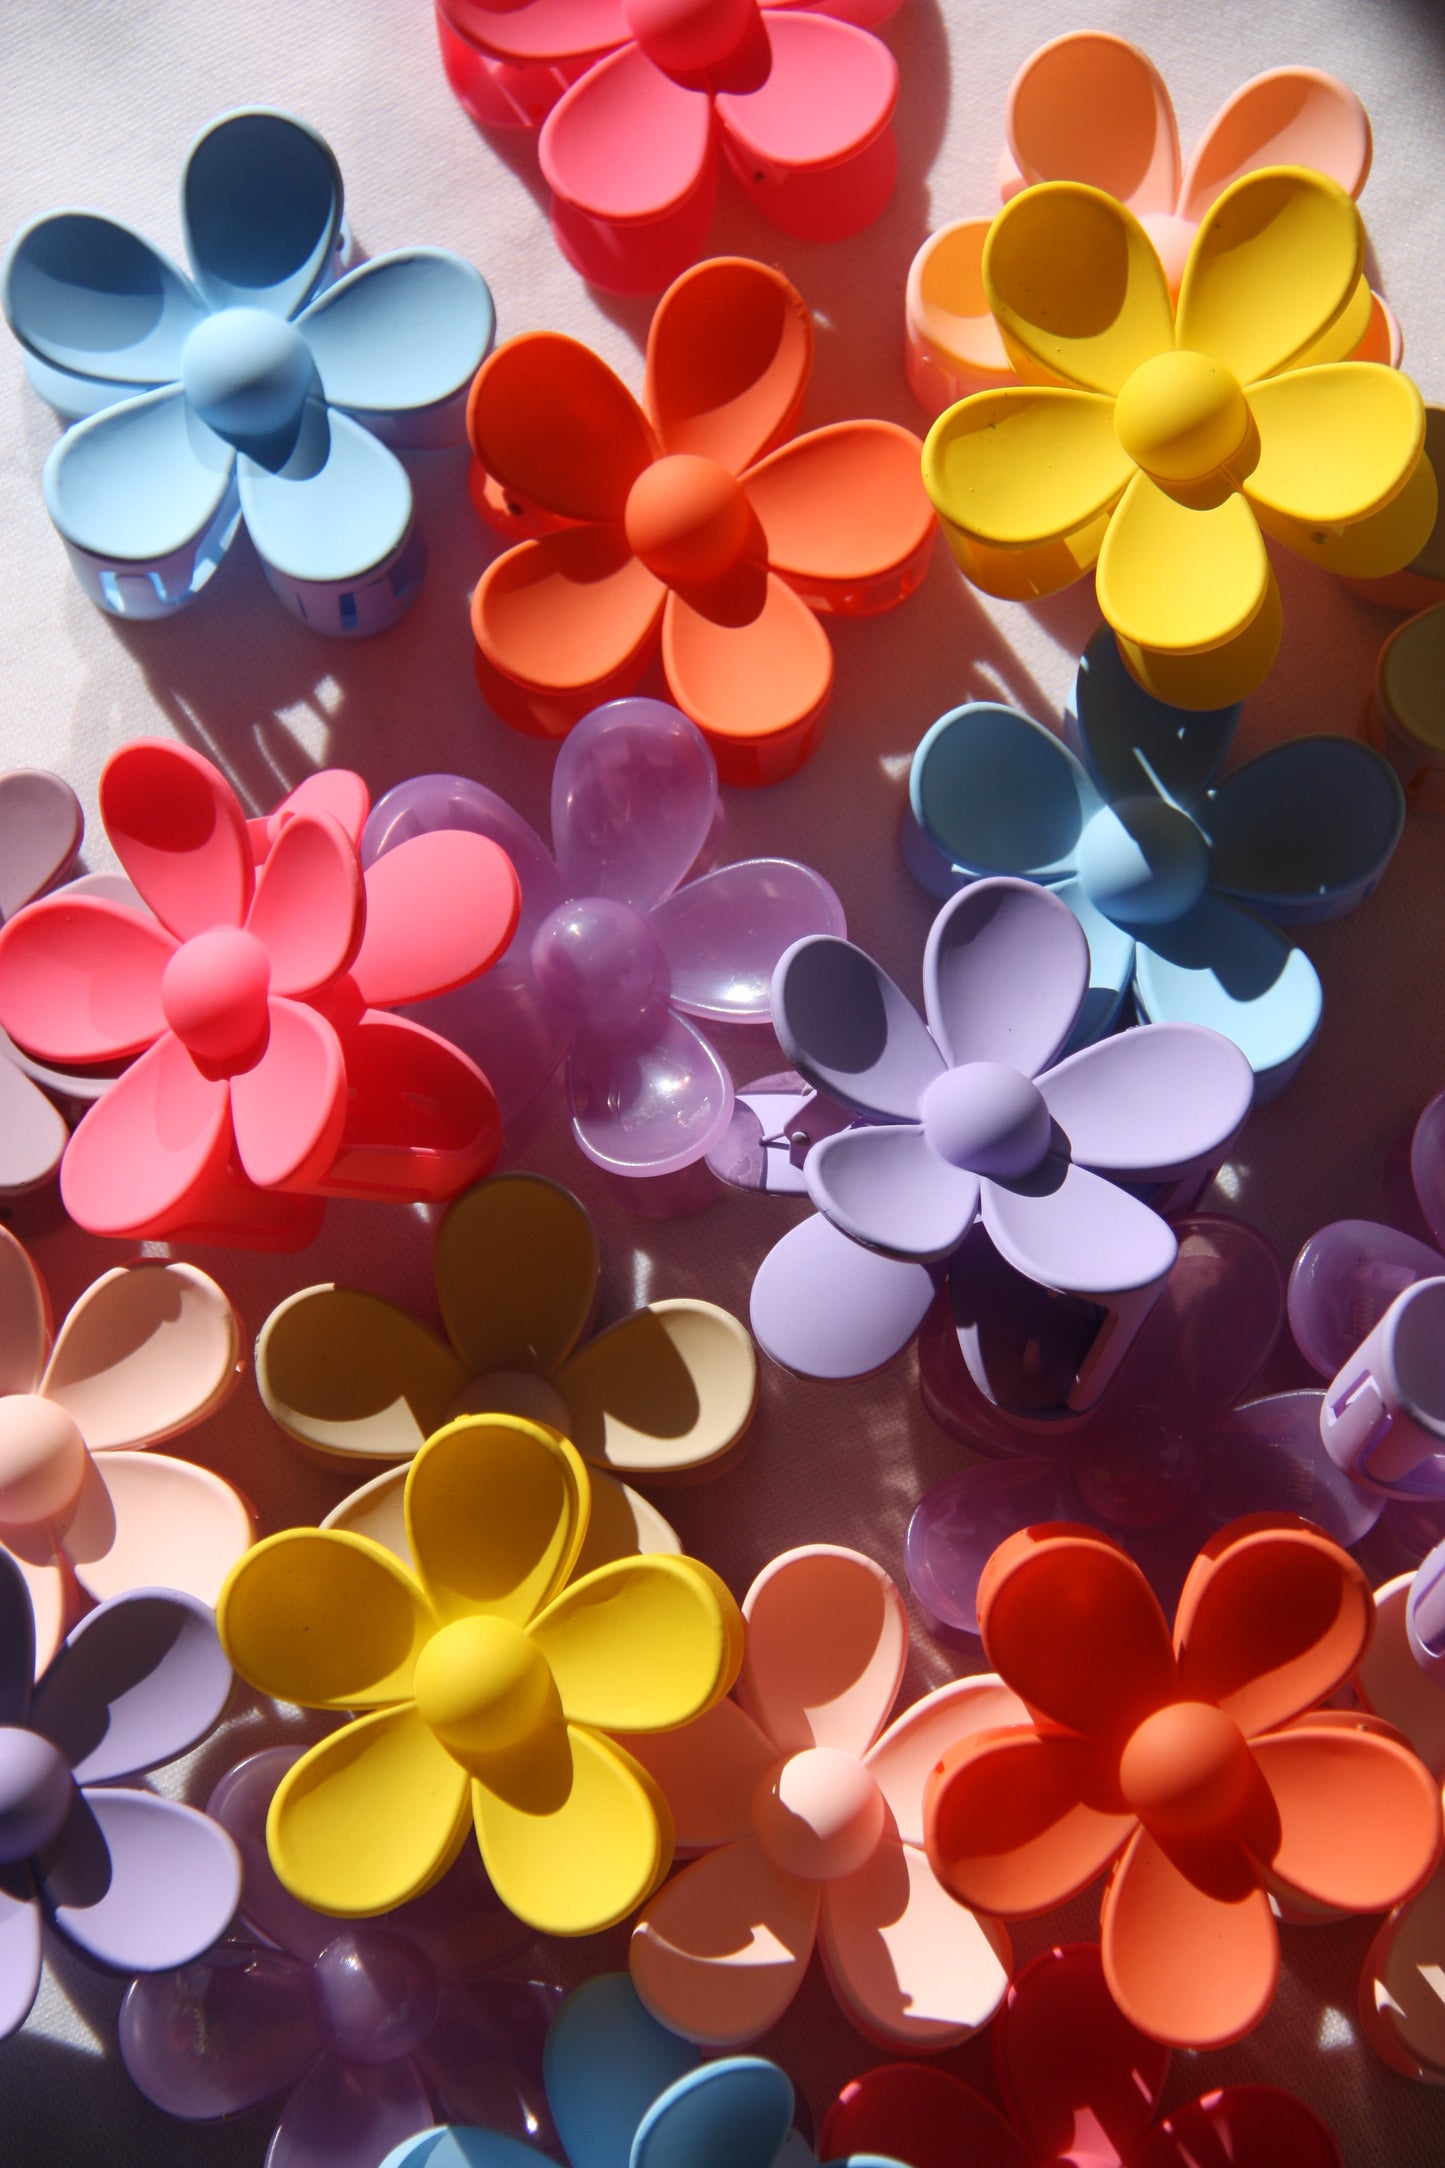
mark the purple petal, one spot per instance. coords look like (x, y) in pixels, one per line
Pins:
(483, 2056)
(1214, 1326)
(40, 830)
(722, 935)
(889, 1188)
(1266, 1457)
(774, 1126)
(17, 1643)
(633, 797)
(648, 1109)
(1005, 972)
(1150, 1103)
(461, 1923)
(32, 1135)
(139, 1680)
(1069, 1229)
(240, 1803)
(959, 1524)
(1427, 1164)
(19, 1949)
(349, 2115)
(1343, 1282)
(849, 1030)
(221, 2034)
(828, 1308)
(140, 1882)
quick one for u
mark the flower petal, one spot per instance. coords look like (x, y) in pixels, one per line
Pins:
(1272, 1619)
(150, 1151)
(144, 1520)
(842, 507)
(1000, 794)
(289, 1111)
(1399, 2001)
(307, 912)
(32, 1134)
(827, 1643)
(139, 1882)
(1091, 107)
(753, 668)
(993, 937)
(1069, 2061)
(1012, 468)
(1226, 968)
(1194, 1966)
(648, 1109)
(728, 359)
(516, 1274)
(952, 341)
(1392, 1685)
(370, 1817)
(1285, 117)
(261, 211)
(923, 2112)
(574, 1834)
(708, 1773)
(569, 614)
(844, 1024)
(1178, 578)
(542, 29)
(1076, 1232)
(634, 801)
(828, 90)
(903, 1758)
(1336, 443)
(912, 1968)
(496, 1509)
(139, 482)
(1265, 850)
(646, 1644)
(1277, 261)
(1359, 1816)
(888, 1188)
(671, 1387)
(1016, 1822)
(92, 297)
(411, 949)
(240, 1803)
(1076, 286)
(324, 1618)
(482, 2058)
(401, 333)
(339, 509)
(735, 2113)
(551, 422)
(1244, 2124)
(723, 935)
(150, 1349)
(364, 2108)
(1149, 1103)
(607, 2061)
(80, 978)
(179, 832)
(20, 1951)
(251, 2007)
(825, 1307)
(1129, 741)
(720, 1953)
(626, 141)
(346, 1373)
(40, 829)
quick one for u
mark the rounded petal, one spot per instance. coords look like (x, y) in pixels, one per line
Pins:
(958, 1525)
(569, 613)
(496, 1509)
(1265, 850)
(1178, 578)
(1384, 542)
(606, 2062)
(32, 1134)
(454, 2145)
(483, 2056)
(1285, 117)
(753, 668)
(139, 1882)
(1130, 741)
(671, 1387)
(993, 938)
(80, 978)
(1400, 2002)
(829, 89)
(215, 2039)
(728, 359)
(261, 211)
(541, 30)
(369, 1818)
(708, 1773)
(652, 1108)
(290, 1110)
(1359, 1816)
(410, 949)
(1148, 1103)
(49, 1595)
(307, 911)
(825, 1307)
(1336, 443)
(146, 1521)
(324, 1618)
(924, 2113)
(139, 482)
(240, 1803)
(90, 296)
(1091, 107)
(1276, 262)
(1068, 2060)
(516, 1274)
(888, 1188)
(339, 508)
(149, 1350)
(1112, 956)
(1241, 2123)
(827, 1643)
(1273, 1617)
(1391, 1683)
(551, 422)
(912, 1968)
(1193, 1966)
(346, 1373)
(401, 333)
(1205, 681)
(953, 344)
(646, 1644)
(730, 2114)
(1231, 971)
(844, 1024)
(723, 934)
(361, 2110)
(1072, 1230)
(719, 1954)
(24, 1319)
(1076, 286)
(573, 1832)
(421, 1119)
(1022, 466)
(149, 1151)
(626, 141)
(139, 1680)
(178, 830)
(905, 1756)
(20, 1956)
(634, 802)
(40, 829)
(1015, 1823)
(1000, 794)
(841, 508)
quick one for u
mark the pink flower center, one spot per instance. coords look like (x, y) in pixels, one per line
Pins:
(819, 1815)
(1187, 1770)
(688, 520)
(686, 37)
(42, 1461)
(213, 996)
(988, 1118)
(375, 1995)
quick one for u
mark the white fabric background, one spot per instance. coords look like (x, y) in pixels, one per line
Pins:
(100, 102)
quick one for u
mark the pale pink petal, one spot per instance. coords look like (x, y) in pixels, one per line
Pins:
(24, 1318)
(719, 1953)
(40, 830)
(912, 1968)
(153, 1522)
(827, 1642)
(32, 1134)
(148, 1350)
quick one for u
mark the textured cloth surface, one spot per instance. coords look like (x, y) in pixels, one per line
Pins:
(99, 104)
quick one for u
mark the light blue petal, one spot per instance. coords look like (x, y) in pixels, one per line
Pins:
(1131, 742)
(261, 209)
(732, 2114)
(996, 793)
(139, 481)
(605, 2064)
(1305, 831)
(1222, 966)
(91, 298)
(402, 337)
(1111, 967)
(457, 2146)
(337, 510)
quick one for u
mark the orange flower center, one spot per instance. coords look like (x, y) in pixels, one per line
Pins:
(687, 519)
(1181, 417)
(1187, 1770)
(819, 1815)
(482, 1685)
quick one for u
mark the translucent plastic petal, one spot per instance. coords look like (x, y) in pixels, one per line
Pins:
(1285, 117)
(307, 909)
(290, 1110)
(80, 978)
(516, 1274)
(147, 1351)
(339, 509)
(646, 1644)
(568, 613)
(1069, 2061)
(992, 940)
(719, 1954)
(1226, 968)
(1072, 1230)
(1359, 1816)
(240, 1803)
(1146, 1103)
(103, 1881)
(1000, 794)
(345, 1372)
(150, 1148)
(925, 2113)
(368, 1818)
(215, 2039)
(1276, 263)
(363, 2107)
(402, 332)
(409, 950)
(634, 798)
(1075, 284)
(723, 935)
(648, 1109)
(1178, 578)
(846, 1026)
(326, 1619)
(91, 296)
(574, 1836)
(671, 1387)
(145, 1520)
(496, 1509)
(1017, 1823)
(1156, 1926)
(887, 1187)
(1017, 467)
(261, 210)
(40, 829)
(1336, 443)
(728, 359)
(138, 482)
(826, 1307)
(1091, 107)
(750, 664)
(1241, 2123)
(827, 1642)
(550, 421)
(1270, 850)
(179, 832)
(910, 1966)
(483, 2057)
(626, 141)
(1272, 1618)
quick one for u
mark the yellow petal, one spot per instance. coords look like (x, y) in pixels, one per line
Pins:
(645, 1644)
(1218, 676)
(1076, 285)
(1020, 575)
(496, 1510)
(347, 1374)
(323, 1618)
(516, 1273)
(1362, 319)
(1383, 543)
(1273, 265)
(574, 1834)
(671, 1387)
(1180, 579)
(369, 1818)
(1335, 443)
(1013, 469)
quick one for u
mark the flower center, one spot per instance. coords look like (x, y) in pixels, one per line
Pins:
(687, 519)
(213, 996)
(1187, 1770)
(1143, 861)
(684, 37)
(247, 374)
(483, 1686)
(35, 1793)
(1181, 417)
(514, 1392)
(988, 1118)
(819, 1815)
(597, 962)
(42, 1461)
(375, 1995)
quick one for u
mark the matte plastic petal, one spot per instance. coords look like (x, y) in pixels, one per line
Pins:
(1391, 1684)
(179, 832)
(1178, 578)
(1147, 1102)
(32, 1134)
(649, 1109)
(361, 2108)
(992, 939)
(827, 1643)
(634, 800)
(147, 1521)
(149, 1349)
(646, 1644)
(905, 1756)
(825, 1307)
(543, 29)
(339, 508)
(1273, 1617)
(1268, 850)
(728, 359)
(1359, 1816)
(24, 1318)
(157, 1140)
(1243, 2123)
(516, 1274)
(568, 613)
(1276, 262)
(1194, 1966)
(1070, 1229)
(1092, 107)
(48, 1587)
(626, 141)
(1130, 741)
(847, 1027)
(719, 1954)
(606, 2062)
(324, 1618)
(1285, 117)
(139, 1882)
(455, 2145)
(402, 332)
(261, 210)
(1230, 970)
(1399, 2000)
(1077, 287)
(17, 1643)
(496, 1509)
(829, 90)
(910, 1966)
(728, 2114)
(751, 663)
(290, 1110)
(307, 911)
(370, 1817)
(842, 505)
(138, 482)
(1069, 2061)
(671, 1387)
(91, 296)
(888, 1188)
(1336, 443)
(40, 830)
(80, 978)
(346, 1373)
(708, 1773)
(1014, 467)
(411, 949)
(551, 422)
(20, 1956)
(573, 1832)
(722, 935)
(1016, 1823)
(1000, 794)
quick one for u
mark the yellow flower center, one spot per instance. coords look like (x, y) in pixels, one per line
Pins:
(1181, 417)
(482, 1685)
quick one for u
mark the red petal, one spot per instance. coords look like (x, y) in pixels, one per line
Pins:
(626, 142)
(830, 89)
(289, 1110)
(180, 834)
(549, 420)
(1015, 1822)
(307, 909)
(421, 1121)
(80, 978)
(728, 360)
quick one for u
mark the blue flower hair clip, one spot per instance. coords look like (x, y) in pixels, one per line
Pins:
(265, 387)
